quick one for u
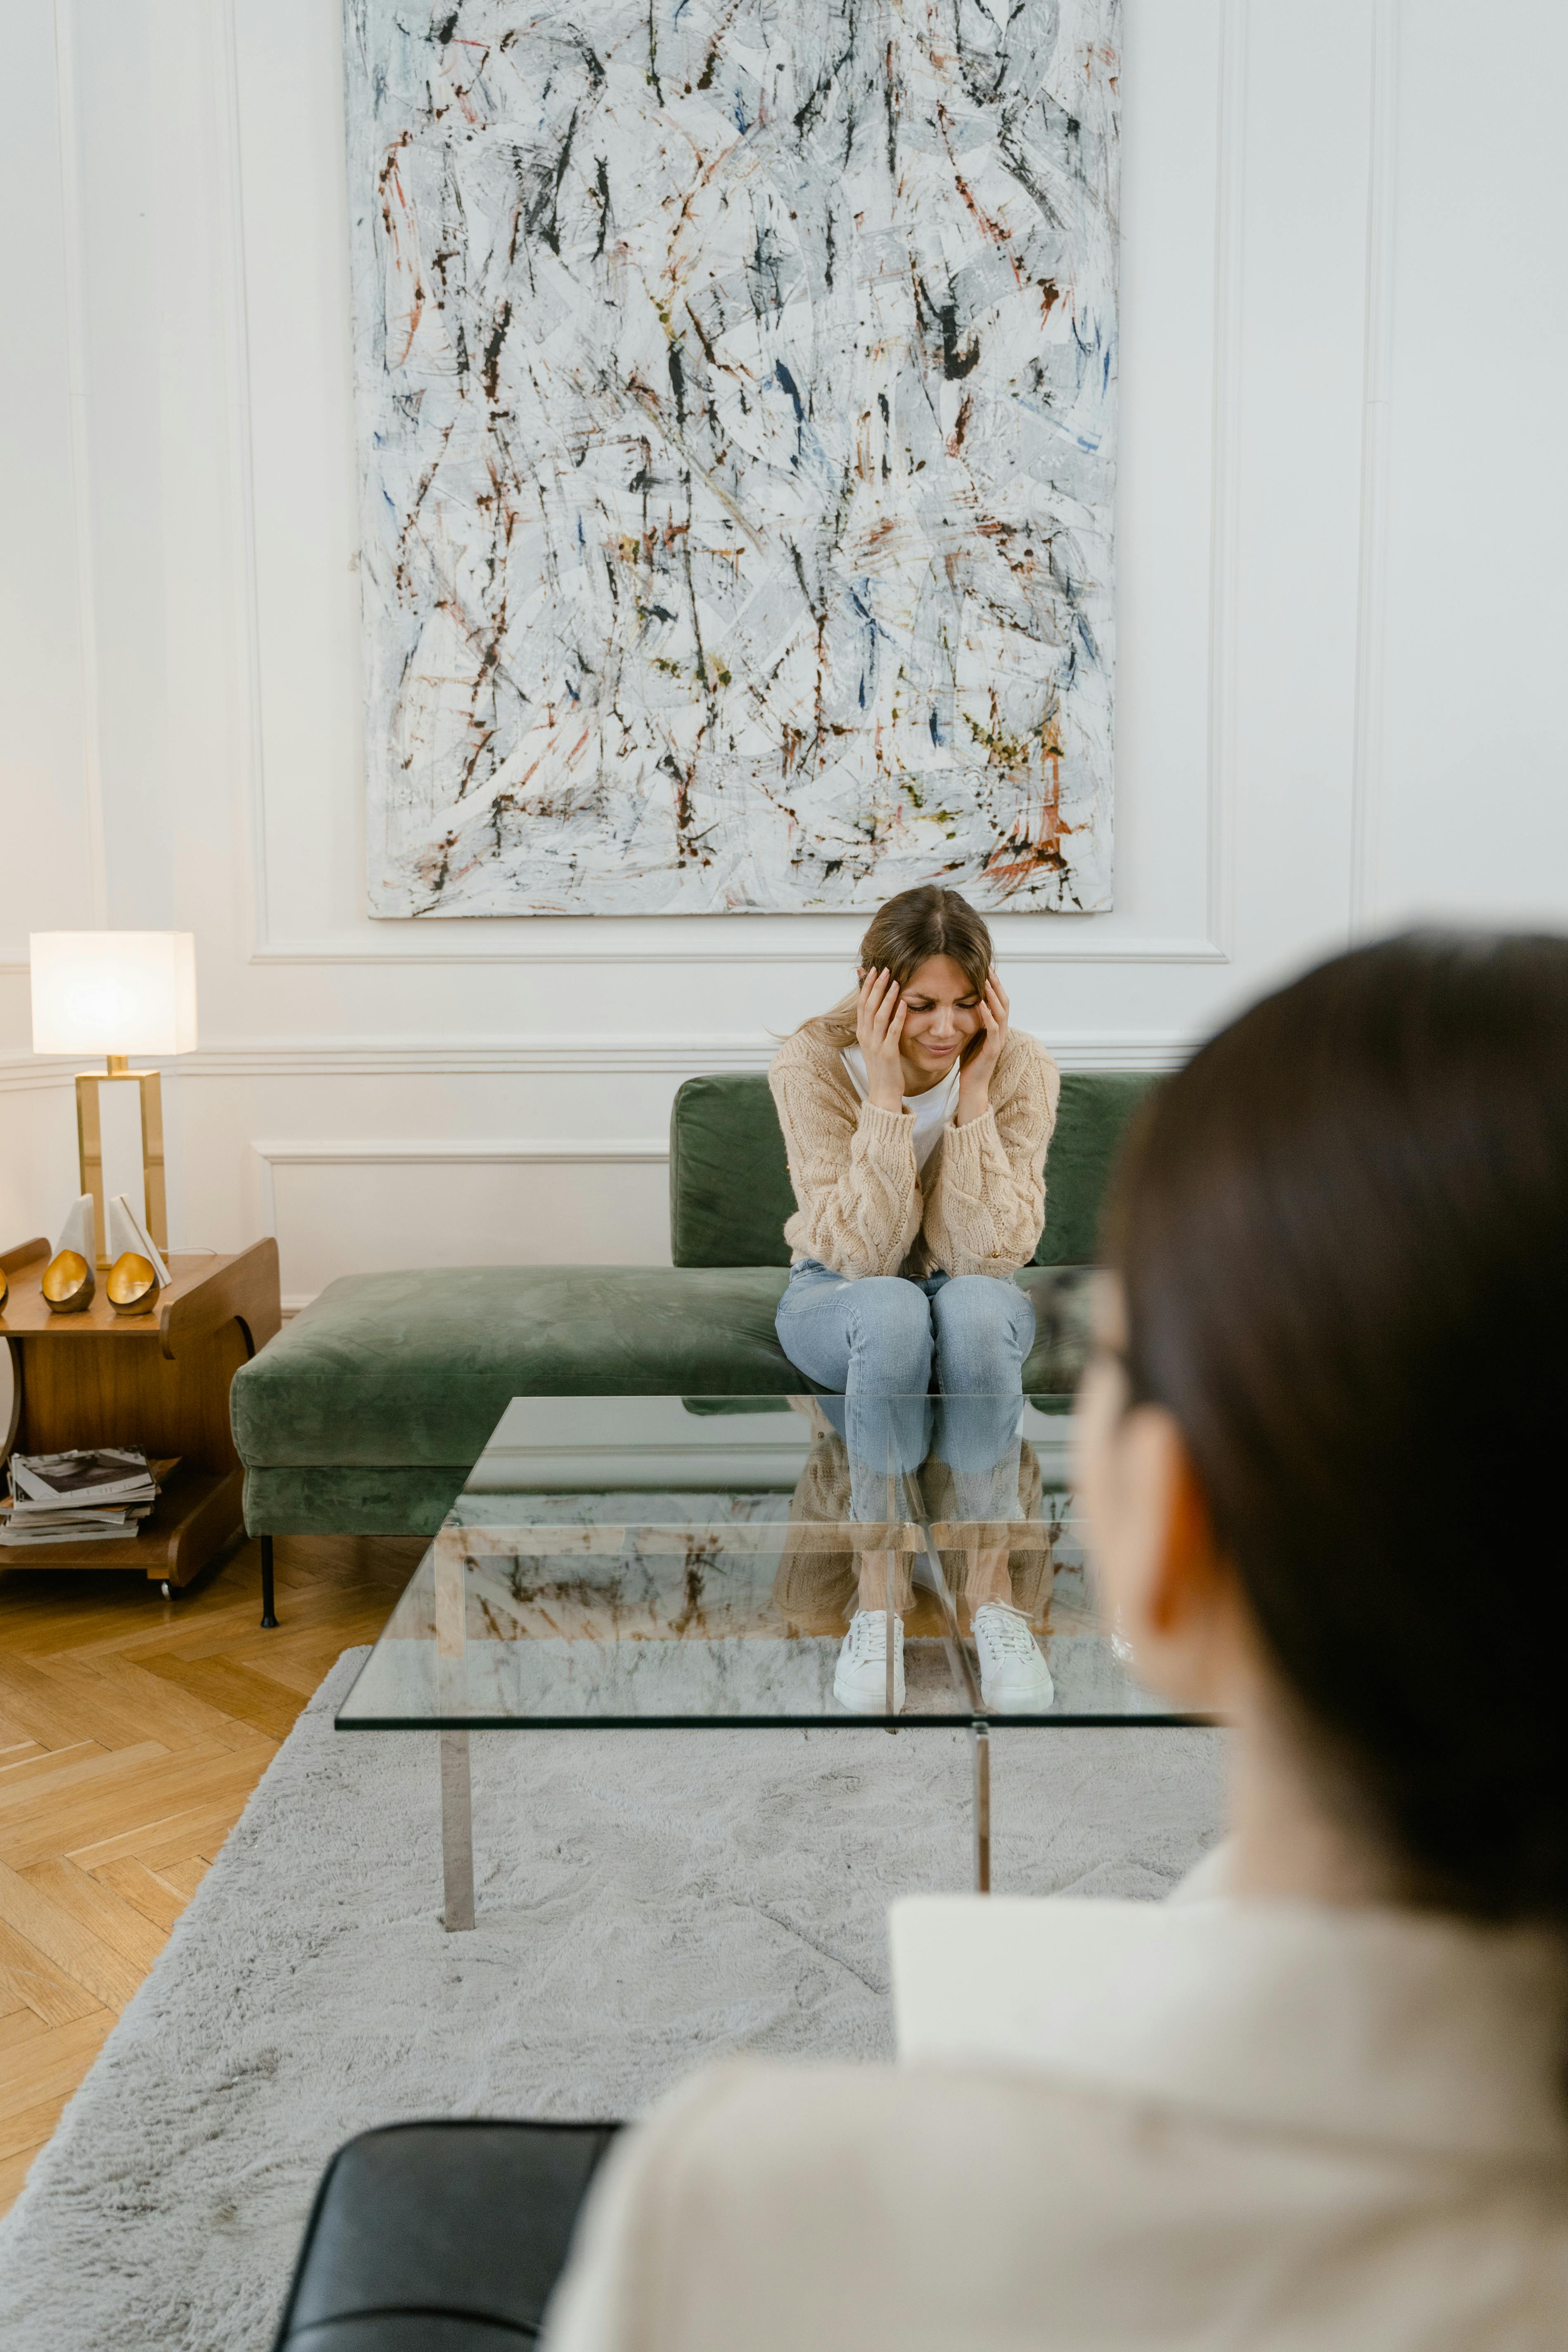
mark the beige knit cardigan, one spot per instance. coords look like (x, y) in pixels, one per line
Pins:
(979, 1205)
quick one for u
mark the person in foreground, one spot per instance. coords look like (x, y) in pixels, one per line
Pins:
(1319, 2098)
(916, 1119)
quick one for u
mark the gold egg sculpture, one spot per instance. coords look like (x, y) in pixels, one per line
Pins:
(132, 1284)
(68, 1283)
(5, 1289)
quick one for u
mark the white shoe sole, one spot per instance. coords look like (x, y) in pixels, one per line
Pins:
(860, 1702)
(1031, 1701)
(866, 1692)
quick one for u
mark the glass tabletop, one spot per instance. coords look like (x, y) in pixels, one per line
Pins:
(687, 1561)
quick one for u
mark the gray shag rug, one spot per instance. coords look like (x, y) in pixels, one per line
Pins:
(648, 1900)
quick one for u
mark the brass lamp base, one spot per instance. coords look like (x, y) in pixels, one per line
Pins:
(90, 1145)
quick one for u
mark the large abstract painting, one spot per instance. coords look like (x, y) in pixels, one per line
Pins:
(736, 386)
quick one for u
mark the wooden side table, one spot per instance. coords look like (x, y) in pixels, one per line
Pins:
(159, 1381)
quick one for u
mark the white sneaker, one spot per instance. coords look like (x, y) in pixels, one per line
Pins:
(1014, 1676)
(860, 1677)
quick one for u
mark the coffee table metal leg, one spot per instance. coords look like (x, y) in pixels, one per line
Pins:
(457, 1830)
(980, 1733)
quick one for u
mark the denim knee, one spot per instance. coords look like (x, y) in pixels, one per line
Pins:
(984, 1328)
(890, 1334)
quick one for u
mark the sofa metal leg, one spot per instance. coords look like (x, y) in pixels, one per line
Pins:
(269, 1614)
(457, 1830)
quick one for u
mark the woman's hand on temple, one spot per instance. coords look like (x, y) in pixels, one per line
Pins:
(974, 1080)
(878, 1025)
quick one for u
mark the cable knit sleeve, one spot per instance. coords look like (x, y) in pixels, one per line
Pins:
(985, 1209)
(852, 1167)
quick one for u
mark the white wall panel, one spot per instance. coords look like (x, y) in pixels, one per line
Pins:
(1341, 498)
(1470, 799)
(1299, 437)
(125, 265)
(38, 1176)
(370, 1205)
(47, 737)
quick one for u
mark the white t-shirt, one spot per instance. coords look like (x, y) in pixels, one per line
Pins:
(931, 1111)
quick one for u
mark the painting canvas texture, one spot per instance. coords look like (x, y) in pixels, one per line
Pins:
(736, 387)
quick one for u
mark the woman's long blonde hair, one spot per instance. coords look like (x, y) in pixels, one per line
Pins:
(909, 929)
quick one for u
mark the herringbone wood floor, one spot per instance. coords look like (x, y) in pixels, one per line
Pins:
(132, 1731)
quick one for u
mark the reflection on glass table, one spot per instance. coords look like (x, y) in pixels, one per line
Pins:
(639, 1562)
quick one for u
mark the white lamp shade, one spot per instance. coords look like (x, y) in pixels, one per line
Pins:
(113, 992)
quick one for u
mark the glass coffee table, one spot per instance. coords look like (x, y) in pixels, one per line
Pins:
(661, 1563)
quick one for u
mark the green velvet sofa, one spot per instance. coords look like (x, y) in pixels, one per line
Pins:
(365, 1413)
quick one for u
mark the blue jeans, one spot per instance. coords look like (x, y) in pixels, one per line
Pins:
(877, 1342)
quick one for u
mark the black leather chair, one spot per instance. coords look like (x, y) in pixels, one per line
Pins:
(440, 2237)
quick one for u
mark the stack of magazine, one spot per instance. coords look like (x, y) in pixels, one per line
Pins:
(87, 1497)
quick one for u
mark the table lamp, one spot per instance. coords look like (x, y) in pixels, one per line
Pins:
(116, 993)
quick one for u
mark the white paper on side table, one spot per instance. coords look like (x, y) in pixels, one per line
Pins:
(80, 1232)
(127, 1233)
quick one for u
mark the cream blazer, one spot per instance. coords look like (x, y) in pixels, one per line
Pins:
(1265, 2126)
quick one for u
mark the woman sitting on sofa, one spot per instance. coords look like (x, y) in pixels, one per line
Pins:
(1322, 2102)
(916, 1122)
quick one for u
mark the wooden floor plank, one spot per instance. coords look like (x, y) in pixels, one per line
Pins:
(302, 1672)
(303, 1660)
(238, 1690)
(124, 1707)
(69, 1685)
(53, 2066)
(200, 1827)
(147, 1891)
(209, 1829)
(303, 1613)
(56, 1998)
(20, 2025)
(171, 1639)
(162, 1708)
(28, 1698)
(11, 1996)
(58, 1935)
(184, 1875)
(132, 1641)
(46, 1760)
(142, 1793)
(113, 1921)
(24, 2134)
(70, 1771)
(72, 1610)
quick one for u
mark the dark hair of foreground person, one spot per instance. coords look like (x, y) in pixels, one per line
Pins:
(1343, 1233)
